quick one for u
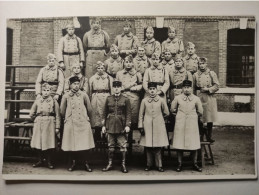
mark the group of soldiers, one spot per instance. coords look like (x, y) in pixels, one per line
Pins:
(131, 89)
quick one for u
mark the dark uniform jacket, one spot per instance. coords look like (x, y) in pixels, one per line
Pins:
(117, 114)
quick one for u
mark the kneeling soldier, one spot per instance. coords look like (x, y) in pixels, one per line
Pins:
(117, 121)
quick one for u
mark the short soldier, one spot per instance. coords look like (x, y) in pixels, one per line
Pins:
(52, 75)
(187, 108)
(83, 86)
(70, 51)
(117, 122)
(152, 126)
(96, 45)
(114, 63)
(174, 44)
(77, 138)
(191, 59)
(127, 42)
(150, 44)
(168, 61)
(206, 84)
(141, 61)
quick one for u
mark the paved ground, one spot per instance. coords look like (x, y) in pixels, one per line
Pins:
(233, 154)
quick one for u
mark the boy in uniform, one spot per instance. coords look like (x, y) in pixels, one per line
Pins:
(191, 59)
(141, 61)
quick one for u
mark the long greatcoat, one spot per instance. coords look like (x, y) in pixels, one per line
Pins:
(209, 102)
(76, 109)
(152, 120)
(43, 136)
(186, 130)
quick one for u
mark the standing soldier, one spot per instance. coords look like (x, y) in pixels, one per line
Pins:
(168, 61)
(150, 44)
(206, 84)
(96, 45)
(114, 63)
(174, 44)
(52, 75)
(191, 59)
(127, 42)
(141, 61)
(70, 51)
(117, 122)
(100, 88)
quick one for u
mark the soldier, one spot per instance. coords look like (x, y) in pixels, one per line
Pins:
(168, 61)
(141, 61)
(70, 51)
(150, 44)
(187, 108)
(156, 73)
(52, 75)
(174, 44)
(96, 45)
(206, 85)
(127, 42)
(191, 59)
(77, 139)
(100, 89)
(117, 122)
(114, 63)
(152, 126)
(76, 71)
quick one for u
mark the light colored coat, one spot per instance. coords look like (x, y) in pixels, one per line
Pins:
(152, 46)
(112, 66)
(186, 130)
(128, 43)
(43, 136)
(151, 118)
(191, 63)
(209, 102)
(76, 109)
(168, 65)
(141, 64)
(175, 45)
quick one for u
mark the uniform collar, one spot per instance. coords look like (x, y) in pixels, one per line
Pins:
(173, 41)
(188, 98)
(150, 99)
(71, 93)
(159, 67)
(48, 99)
(131, 72)
(104, 76)
(194, 56)
(179, 71)
(51, 68)
(127, 35)
(117, 59)
(149, 41)
(170, 62)
(70, 37)
(144, 58)
(96, 31)
(205, 72)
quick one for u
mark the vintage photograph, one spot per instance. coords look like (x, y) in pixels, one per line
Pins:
(129, 97)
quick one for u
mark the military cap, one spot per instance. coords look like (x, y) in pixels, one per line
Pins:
(202, 60)
(99, 63)
(95, 19)
(150, 29)
(154, 55)
(171, 28)
(51, 56)
(127, 23)
(190, 44)
(187, 83)
(45, 86)
(129, 58)
(116, 84)
(152, 84)
(114, 47)
(70, 25)
(74, 79)
(167, 50)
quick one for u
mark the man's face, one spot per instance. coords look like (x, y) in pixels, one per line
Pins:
(128, 64)
(45, 92)
(141, 51)
(74, 86)
(168, 56)
(152, 90)
(171, 34)
(100, 70)
(187, 90)
(51, 62)
(155, 61)
(191, 50)
(127, 29)
(70, 31)
(202, 65)
(76, 69)
(96, 25)
(114, 53)
(149, 35)
(116, 89)
(178, 63)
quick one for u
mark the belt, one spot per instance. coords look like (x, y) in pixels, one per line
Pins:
(101, 91)
(129, 90)
(96, 48)
(45, 114)
(159, 83)
(112, 75)
(50, 83)
(197, 88)
(70, 53)
(179, 86)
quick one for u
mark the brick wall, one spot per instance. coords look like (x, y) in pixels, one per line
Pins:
(205, 36)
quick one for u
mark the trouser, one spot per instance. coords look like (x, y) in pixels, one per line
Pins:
(194, 156)
(156, 152)
(45, 154)
(79, 156)
(117, 139)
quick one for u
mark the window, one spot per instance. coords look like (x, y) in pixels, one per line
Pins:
(240, 58)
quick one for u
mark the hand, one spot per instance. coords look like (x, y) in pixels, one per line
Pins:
(81, 64)
(38, 96)
(204, 89)
(160, 93)
(103, 130)
(142, 132)
(57, 130)
(62, 65)
(56, 97)
(127, 129)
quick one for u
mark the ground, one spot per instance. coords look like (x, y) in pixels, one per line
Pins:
(233, 154)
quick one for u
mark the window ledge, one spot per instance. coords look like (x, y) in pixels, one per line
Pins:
(231, 90)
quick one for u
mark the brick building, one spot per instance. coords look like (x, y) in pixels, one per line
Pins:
(227, 41)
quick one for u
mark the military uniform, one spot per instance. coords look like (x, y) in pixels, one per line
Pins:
(112, 66)
(152, 46)
(168, 65)
(83, 86)
(141, 64)
(191, 63)
(175, 46)
(70, 51)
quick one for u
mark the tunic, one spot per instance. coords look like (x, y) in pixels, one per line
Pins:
(131, 85)
(186, 130)
(46, 115)
(70, 51)
(112, 66)
(168, 65)
(100, 89)
(96, 43)
(54, 77)
(151, 46)
(141, 64)
(83, 85)
(209, 102)
(191, 63)
(76, 109)
(151, 119)
(175, 46)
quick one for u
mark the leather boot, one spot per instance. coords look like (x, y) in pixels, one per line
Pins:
(123, 163)
(87, 167)
(109, 166)
(40, 161)
(72, 166)
(49, 160)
